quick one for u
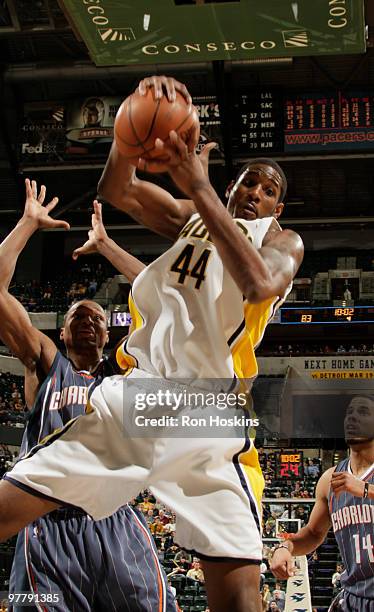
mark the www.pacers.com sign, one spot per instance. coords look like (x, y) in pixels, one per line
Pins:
(170, 31)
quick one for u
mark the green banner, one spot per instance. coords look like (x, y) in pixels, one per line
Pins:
(117, 32)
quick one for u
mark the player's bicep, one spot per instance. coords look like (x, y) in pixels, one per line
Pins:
(16, 331)
(283, 255)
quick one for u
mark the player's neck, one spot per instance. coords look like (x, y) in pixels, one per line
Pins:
(361, 458)
(85, 361)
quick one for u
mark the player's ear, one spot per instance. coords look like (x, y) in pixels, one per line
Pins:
(62, 334)
(278, 210)
(228, 189)
(107, 337)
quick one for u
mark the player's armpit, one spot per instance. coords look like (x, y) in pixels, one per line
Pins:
(146, 202)
(24, 341)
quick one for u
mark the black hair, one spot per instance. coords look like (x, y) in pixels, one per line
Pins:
(268, 162)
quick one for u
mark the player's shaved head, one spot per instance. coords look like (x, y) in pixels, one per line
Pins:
(90, 303)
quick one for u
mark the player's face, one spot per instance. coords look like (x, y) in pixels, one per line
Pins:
(256, 194)
(85, 326)
(359, 420)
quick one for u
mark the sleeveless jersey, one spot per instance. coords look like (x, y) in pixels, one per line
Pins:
(352, 521)
(189, 318)
(62, 396)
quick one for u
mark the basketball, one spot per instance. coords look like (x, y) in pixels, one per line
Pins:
(142, 119)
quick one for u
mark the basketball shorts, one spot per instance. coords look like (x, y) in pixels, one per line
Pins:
(347, 602)
(79, 564)
(214, 485)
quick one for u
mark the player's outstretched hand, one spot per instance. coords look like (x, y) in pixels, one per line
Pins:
(344, 482)
(163, 84)
(282, 564)
(96, 236)
(35, 210)
(187, 169)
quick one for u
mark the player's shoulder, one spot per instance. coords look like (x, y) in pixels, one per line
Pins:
(323, 485)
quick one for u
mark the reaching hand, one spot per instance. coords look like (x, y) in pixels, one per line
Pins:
(161, 83)
(185, 167)
(96, 236)
(35, 210)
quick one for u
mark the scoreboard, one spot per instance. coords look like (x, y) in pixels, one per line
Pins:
(327, 314)
(259, 122)
(323, 122)
(279, 121)
(289, 465)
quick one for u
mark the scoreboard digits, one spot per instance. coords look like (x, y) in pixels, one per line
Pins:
(289, 465)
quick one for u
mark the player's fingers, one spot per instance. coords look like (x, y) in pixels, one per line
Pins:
(193, 136)
(51, 205)
(41, 196)
(290, 567)
(59, 223)
(157, 85)
(183, 90)
(178, 144)
(98, 210)
(28, 188)
(142, 87)
(170, 89)
(34, 189)
(279, 571)
(206, 151)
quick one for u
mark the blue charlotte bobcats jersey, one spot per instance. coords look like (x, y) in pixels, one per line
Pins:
(62, 397)
(352, 521)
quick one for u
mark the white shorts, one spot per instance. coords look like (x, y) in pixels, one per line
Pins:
(214, 485)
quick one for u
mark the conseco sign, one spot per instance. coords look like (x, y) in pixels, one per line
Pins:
(118, 33)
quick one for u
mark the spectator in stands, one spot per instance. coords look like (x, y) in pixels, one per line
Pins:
(277, 509)
(181, 567)
(301, 514)
(340, 349)
(163, 517)
(273, 607)
(181, 556)
(335, 580)
(196, 573)
(311, 469)
(279, 596)
(92, 288)
(312, 567)
(156, 527)
(266, 597)
(297, 490)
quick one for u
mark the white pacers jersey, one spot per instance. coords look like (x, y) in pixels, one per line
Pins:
(189, 318)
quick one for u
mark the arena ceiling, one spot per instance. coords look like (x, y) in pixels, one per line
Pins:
(43, 59)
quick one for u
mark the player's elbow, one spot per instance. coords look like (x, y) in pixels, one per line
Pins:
(260, 291)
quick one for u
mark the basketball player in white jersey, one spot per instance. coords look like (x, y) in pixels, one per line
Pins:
(198, 312)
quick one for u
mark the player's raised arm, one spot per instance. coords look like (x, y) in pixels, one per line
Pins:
(309, 537)
(260, 274)
(146, 202)
(16, 331)
(99, 242)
